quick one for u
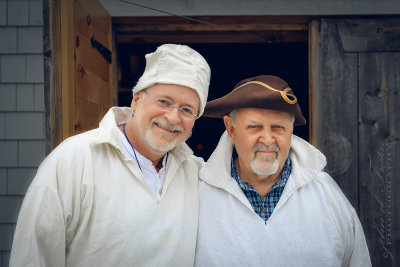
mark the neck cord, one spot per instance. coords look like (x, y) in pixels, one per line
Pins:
(123, 128)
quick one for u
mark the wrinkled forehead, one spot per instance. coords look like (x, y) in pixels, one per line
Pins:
(264, 114)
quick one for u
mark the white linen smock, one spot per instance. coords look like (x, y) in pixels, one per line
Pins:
(89, 205)
(313, 223)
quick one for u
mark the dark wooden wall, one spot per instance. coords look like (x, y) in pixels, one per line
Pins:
(356, 102)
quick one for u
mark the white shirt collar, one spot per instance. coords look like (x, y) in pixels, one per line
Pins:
(154, 180)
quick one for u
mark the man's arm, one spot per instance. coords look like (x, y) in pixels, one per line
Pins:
(360, 254)
(39, 238)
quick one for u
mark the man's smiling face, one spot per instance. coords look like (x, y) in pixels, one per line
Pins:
(262, 139)
(163, 130)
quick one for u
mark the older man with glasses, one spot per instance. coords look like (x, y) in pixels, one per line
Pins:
(124, 194)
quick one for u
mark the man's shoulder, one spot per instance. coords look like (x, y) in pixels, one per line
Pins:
(191, 162)
(184, 155)
(74, 147)
(327, 182)
(330, 191)
(65, 165)
(79, 141)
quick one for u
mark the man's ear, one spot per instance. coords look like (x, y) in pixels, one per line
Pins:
(135, 101)
(228, 125)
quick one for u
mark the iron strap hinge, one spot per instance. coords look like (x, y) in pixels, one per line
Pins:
(101, 48)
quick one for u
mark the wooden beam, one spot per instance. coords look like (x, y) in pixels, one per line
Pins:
(214, 37)
(213, 19)
(234, 29)
(67, 67)
(53, 74)
(242, 27)
(314, 88)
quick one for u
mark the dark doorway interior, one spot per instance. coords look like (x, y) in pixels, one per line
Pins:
(230, 63)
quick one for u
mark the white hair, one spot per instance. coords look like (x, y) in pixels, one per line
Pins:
(232, 115)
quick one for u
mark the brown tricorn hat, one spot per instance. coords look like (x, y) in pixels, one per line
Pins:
(264, 91)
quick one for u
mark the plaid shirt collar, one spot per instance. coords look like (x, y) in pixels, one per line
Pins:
(264, 207)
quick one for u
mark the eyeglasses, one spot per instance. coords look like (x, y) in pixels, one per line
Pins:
(166, 104)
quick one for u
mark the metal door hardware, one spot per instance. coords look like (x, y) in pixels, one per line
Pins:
(101, 48)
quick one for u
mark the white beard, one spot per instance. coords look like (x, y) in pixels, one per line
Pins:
(162, 146)
(158, 146)
(265, 164)
(262, 166)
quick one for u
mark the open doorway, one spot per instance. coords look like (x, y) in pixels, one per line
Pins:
(229, 63)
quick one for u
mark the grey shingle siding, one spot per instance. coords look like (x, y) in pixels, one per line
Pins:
(22, 140)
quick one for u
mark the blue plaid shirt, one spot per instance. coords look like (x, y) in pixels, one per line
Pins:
(264, 207)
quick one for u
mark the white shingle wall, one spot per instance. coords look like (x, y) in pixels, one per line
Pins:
(22, 138)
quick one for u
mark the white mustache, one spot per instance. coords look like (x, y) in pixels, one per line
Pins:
(168, 126)
(260, 146)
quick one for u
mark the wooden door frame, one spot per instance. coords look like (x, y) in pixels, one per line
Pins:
(243, 29)
(354, 90)
(52, 82)
(59, 70)
(217, 29)
(59, 119)
(313, 78)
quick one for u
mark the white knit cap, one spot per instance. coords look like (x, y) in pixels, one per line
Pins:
(177, 64)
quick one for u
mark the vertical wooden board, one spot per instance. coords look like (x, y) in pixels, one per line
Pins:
(314, 74)
(53, 82)
(90, 58)
(379, 154)
(79, 101)
(377, 108)
(93, 72)
(334, 107)
(97, 12)
(91, 87)
(113, 81)
(67, 68)
(87, 115)
(88, 22)
(365, 35)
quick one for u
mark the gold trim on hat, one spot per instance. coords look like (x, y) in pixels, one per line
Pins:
(283, 93)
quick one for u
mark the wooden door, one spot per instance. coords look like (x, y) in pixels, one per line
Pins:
(355, 109)
(81, 73)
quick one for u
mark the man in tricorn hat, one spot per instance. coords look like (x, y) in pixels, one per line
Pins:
(272, 204)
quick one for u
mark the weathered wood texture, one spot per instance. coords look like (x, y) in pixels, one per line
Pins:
(67, 68)
(231, 29)
(357, 123)
(47, 64)
(52, 73)
(379, 106)
(94, 85)
(82, 84)
(334, 106)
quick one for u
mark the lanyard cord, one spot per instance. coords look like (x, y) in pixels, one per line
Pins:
(123, 128)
